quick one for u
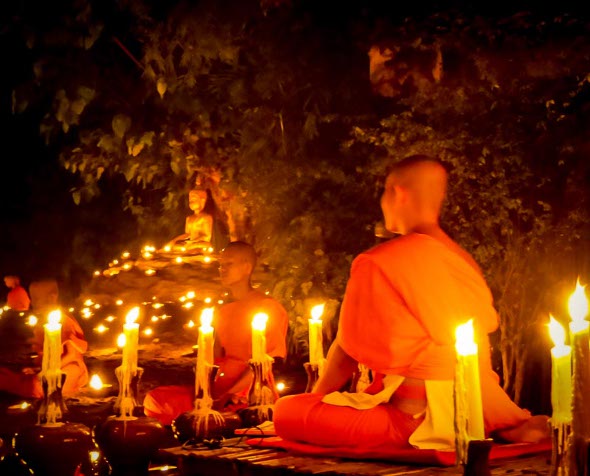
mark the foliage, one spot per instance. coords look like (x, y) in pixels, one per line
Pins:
(270, 106)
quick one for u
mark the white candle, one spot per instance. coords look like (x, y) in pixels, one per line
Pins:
(131, 332)
(579, 337)
(205, 342)
(561, 375)
(51, 364)
(316, 350)
(259, 337)
(468, 387)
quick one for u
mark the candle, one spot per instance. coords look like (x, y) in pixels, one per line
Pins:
(468, 404)
(579, 336)
(52, 350)
(259, 337)
(561, 375)
(131, 332)
(205, 344)
(316, 350)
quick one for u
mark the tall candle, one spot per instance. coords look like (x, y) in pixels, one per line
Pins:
(205, 354)
(131, 332)
(468, 404)
(52, 350)
(259, 337)
(316, 350)
(561, 375)
(579, 336)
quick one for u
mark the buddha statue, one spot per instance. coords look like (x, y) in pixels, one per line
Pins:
(198, 226)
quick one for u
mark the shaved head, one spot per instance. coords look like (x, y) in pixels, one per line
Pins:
(415, 190)
(236, 263)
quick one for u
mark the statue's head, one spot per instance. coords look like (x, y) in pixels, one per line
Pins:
(196, 200)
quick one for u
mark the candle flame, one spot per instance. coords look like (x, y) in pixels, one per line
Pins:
(578, 303)
(317, 311)
(95, 382)
(88, 302)
(94, 456)
(132, 316)
(32, 320)
(190, 295)
(206, 318)
(280, 386)
(259, 321)
(556, 331)
(25, 405)
(54, 318)
(464, 339)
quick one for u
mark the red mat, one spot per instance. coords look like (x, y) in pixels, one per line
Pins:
(412, 456)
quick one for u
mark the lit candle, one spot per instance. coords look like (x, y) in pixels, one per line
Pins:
(205, 343)
(259, 337)
(51, 364)
(468, 405)
(131, 332)
(316, 350)
(579, 337)
(561, 375)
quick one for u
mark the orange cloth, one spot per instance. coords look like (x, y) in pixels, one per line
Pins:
(72, 363)
(233, 330)
(18, 299)
(403, 301)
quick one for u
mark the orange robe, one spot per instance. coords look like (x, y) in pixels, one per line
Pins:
(18, 299)
(402, 304)
(233, 330)
(72, 363)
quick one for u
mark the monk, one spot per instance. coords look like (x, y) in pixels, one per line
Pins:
(26, 381)
(17, 298)
(233, 342)
(403, 301)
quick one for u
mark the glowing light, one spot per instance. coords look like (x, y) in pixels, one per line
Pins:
(556, 332)
(154, 319)
(167, 248)
(183, 249)
(24, 405)
(119, 302)
(207, 259)
(127, 266)
(210, 249)
(190, 324)
(132, 316)
(32, 320)
(578, 303)
(121, 340)
(148, 331)
(280, 386)
(71, 309)
(125, 254)
(317, 311)
(178, 259)
(88, 302)
(53, 320)
(190, 295)
(147, 255)
(94, 456)
(97, 273)
(101, 328)
(164, 316)
(21, 314)
(95, 382)
(206, 319)
(6, 308)
(207, 300)
(97, 306)
(157, 305)
(188, 305)
(267, 292)
(110, 318)
(86, 313)
(115, 261)
(150, 272)
(464, 335)
(259, 321)
(220, 301)
(182, 298)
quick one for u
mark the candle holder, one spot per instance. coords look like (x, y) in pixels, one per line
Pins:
(128, 441)
(560, 434)
(202, 422)
(313, 374)
(53, 447)
(261, 396)
(478, 458)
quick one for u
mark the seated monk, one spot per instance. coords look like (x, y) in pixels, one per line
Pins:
(403, 301)
(198, 226)
(26, 382)
(17, 298)
(233, 342)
